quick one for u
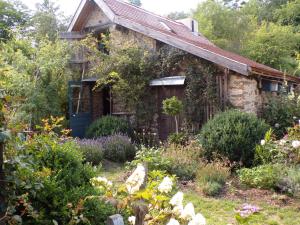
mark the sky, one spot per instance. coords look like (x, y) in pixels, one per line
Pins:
(162, 7)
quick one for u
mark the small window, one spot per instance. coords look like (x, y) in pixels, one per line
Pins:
(272, 86)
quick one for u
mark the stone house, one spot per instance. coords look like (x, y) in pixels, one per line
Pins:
(241, 81)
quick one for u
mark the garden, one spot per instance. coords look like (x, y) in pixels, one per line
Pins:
(237, 168)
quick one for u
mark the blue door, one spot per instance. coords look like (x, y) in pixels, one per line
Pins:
(80, 107)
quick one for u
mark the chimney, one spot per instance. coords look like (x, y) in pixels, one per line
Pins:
(191, 24)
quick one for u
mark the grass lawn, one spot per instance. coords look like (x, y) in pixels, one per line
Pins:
(276, 209)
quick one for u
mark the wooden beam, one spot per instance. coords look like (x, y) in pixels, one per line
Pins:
(77, 14)
(185, 46)
(107, 11)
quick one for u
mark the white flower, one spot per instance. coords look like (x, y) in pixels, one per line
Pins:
(101, 181)
(135, 181)
(166, 185)
(277, 125)
(198, 220)
(131, 220)
(177, 199)
(296, 144)
(262, 142)
(282, 142)
(178, 210)
(294, 117)
(188, 212)
(173, 222)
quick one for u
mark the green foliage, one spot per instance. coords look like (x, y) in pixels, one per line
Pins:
(184, 160)
(92, 150)
(278, 44)
(178, 15)
(97, 211)
(289, 181)
(11, 15)
(51, 173)
(108, 125)
(127, 64)
(178, 139)
(211, 177)
(172, 106)
(47, 21)
(118, 148)
(35, 78)
(234, 135)
(225, 27)
(264, 176)
(152, 157)
(281, 113)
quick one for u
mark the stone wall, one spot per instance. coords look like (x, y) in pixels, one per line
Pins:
(120, 36)
(243, 93)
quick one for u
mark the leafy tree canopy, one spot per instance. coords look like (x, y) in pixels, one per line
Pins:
(178, 15)
(12, 14)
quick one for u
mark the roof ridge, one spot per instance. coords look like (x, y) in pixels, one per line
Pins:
(149, 12)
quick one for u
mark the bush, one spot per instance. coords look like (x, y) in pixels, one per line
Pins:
(264, 176)
(108, 125)
(92, 150)
(184, 160)
(289, 181)
(152, 157)
(232, 134)
(212, 177)
(97, 211)
(281, 113)
(118, 148)
(178, 139)
(46, 175)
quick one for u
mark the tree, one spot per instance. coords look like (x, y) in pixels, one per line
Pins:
(173, 107)
(178, 15)
(289, 14)
(273, 45)
(36, 79)
(225, 27)
(47, 21)
(11, 16)
(136, 2)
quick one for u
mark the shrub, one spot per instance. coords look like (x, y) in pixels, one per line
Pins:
(281, 113)
(264, 176)
(97, 211)
(92, 150)
(46, 175)
(212, 177)
(178, 139)
(118, 148)
(232, 134)
(108, 125)
(152, 157)
(184, 160)
(289, 181)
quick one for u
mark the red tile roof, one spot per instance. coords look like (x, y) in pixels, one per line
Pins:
(180, 31)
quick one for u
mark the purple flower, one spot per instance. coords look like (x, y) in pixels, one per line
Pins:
(247, 210)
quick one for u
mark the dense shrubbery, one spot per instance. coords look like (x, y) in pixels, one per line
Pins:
(211, 177)
(281, 113)
(108, 125)
(232, 134)
(92, 150)
(118, 148)
(178, 139)
(49, 173)
(277, 164)
(183, 161)
(264, 176)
